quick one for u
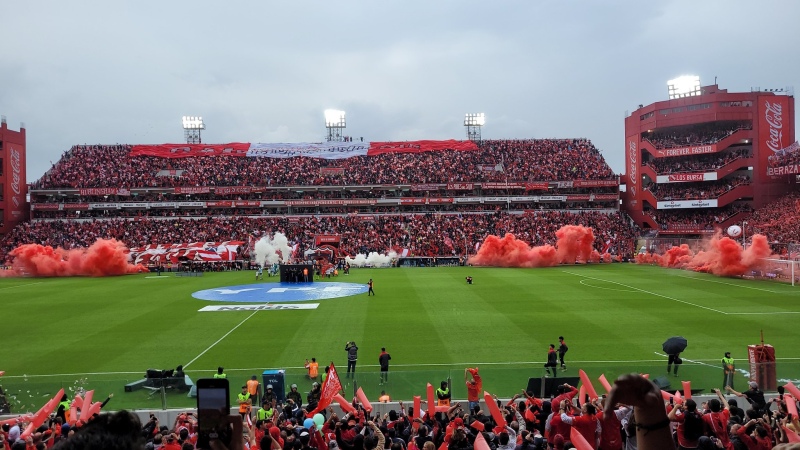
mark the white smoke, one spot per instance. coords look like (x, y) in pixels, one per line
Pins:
(374, 259)
(270, 251)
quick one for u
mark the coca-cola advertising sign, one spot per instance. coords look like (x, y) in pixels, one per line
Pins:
(633, 167)
(774, 131)
(18, 196)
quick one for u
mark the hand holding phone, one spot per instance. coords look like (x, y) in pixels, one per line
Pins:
(213, 411)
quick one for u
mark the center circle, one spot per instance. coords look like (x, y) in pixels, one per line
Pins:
(280, 292)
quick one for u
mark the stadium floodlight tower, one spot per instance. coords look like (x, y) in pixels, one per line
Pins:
(191, 129)
(474, 122)
(684, 86)
(335, 124)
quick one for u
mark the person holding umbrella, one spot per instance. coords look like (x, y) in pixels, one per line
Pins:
(673, 348)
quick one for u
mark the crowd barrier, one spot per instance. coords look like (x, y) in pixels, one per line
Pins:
(24, 393)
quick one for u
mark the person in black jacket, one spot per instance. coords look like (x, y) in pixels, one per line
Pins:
(552, 361)
(352, 356)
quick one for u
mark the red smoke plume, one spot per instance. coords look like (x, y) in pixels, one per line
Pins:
(721, 256)
(574, 244)
(104, 258)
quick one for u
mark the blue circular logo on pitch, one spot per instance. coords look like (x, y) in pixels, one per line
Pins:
(280, 292)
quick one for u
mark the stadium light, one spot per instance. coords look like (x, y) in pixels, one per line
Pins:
(334, 123)
(191, 129)
(474, 122)
(683, 86)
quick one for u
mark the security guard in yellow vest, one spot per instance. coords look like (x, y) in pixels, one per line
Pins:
(244, 402)
(220, 373)
(265, 412)
(728, 370)
(443, 395)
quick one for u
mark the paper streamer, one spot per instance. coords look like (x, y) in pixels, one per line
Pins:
(588, 384)
(497, 415)
(605, 383)
(363, 399)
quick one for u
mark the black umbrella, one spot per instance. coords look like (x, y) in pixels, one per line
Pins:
(674, 345)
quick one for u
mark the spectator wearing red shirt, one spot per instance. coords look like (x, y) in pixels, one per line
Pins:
(474, 387)
(690, 424)
(716, 420)
(586, 423)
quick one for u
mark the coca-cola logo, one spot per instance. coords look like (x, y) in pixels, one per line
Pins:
(16, 170)
(773, 115)
(632, 166)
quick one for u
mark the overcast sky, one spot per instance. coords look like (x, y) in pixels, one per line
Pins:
(263, 71)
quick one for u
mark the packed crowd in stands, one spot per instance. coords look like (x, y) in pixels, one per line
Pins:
(697, 218)
(633, 416)
(423, 235)
(779, 221)
(785, 159)
(88, 166)
(696, 191)
(703, 134)
(698, 163)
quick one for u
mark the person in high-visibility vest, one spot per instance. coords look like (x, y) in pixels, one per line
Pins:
(313, 368)
(244, 402)
(265, 412)
(384, 398)
(220, 373)
(728, 370)
(443, 395)
(254, 389)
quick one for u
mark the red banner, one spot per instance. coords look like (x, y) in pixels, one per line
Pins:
(377, 148)
(504, 185)
(227, 190)
(595, 183)
(331, 170)
(219, 204)
(460, 186)
(424, 187)
(246, 204)
(425, 200)
(352, 201)
(321, 239)
(683, 151)
(189, 150)
(192, 190)
(330, 387)
(77, 206)
(679, 177)
(540, 186)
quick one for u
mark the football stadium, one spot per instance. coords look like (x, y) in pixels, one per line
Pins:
(467, 293)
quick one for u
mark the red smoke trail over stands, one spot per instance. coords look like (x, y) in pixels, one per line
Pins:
(574, 244)
(104, 258)
(720, 256)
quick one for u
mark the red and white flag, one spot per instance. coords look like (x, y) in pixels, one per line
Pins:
(330, 387)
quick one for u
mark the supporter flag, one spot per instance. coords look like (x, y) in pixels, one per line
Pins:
(404, 253)
(606, 246)
(330, 387)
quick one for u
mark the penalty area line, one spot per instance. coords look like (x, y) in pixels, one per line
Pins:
(737, 285)
(647, 292)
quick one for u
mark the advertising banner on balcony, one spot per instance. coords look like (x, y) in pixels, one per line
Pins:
(686, 177)
(687, 204)
(324, 150)
(775, 133)
(683, 151)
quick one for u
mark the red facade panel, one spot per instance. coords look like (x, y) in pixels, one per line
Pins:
(15, 188)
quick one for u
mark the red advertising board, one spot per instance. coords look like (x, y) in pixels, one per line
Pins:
(460, 186)
(228, 190)
(16, 187)
(774, 128)
(377, 148)
(539, 186)
(192, 190)
(189, 150)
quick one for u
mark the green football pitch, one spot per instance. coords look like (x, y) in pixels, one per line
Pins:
(102, 333)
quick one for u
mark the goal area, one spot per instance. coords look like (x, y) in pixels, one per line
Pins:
(781, 270)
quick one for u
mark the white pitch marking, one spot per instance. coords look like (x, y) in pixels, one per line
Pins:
(20, 285)
(647, 292)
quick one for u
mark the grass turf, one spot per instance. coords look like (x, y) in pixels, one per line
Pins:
(103, 333)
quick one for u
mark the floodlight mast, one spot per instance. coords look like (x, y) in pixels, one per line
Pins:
(191, 129)
(473, 122)
(335, 123)
(684, 86)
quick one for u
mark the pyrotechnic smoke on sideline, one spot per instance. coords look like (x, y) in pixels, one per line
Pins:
(720, 256)
(270, 251)
(374, 259)
(105, 257)
(574, 244)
